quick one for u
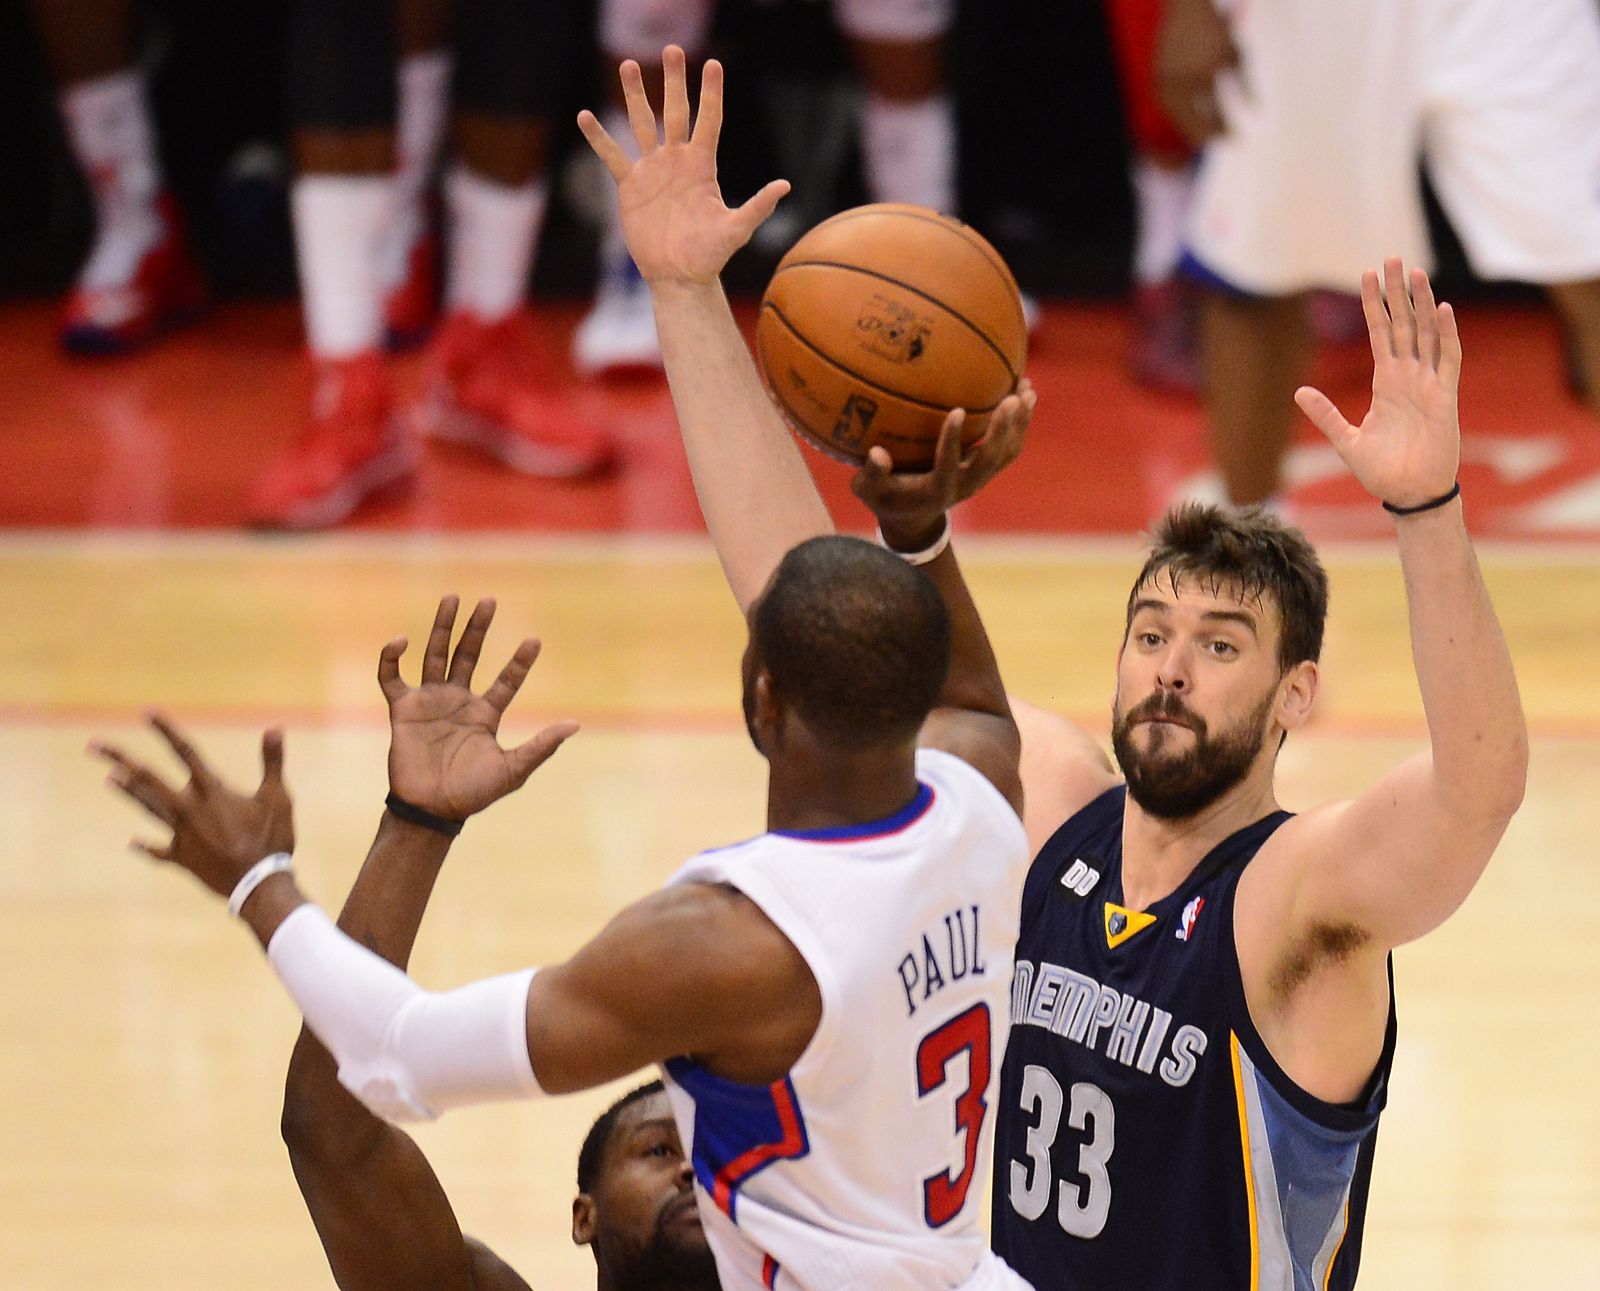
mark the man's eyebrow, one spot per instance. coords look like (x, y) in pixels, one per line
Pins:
(652, 1125)
(1233, 616)
(1150, 603)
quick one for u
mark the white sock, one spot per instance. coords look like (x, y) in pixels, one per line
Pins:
(909, 150)
(113, 137)
(493, 232)
(1163, 194)
(419, 131)
(339, 222)
(613, 261)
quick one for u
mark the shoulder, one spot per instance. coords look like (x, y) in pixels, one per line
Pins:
(1063, 770)
(489, 1271)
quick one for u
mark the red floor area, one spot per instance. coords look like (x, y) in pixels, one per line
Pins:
(172, 438)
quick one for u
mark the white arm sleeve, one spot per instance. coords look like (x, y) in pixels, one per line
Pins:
(406, 1053)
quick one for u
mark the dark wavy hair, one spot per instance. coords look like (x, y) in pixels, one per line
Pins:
(1252, 553)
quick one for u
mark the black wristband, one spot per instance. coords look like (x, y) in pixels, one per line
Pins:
(414, 815)
(1455, 492)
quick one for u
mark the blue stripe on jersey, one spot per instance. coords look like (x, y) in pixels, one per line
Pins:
(1301, 1175)
(906, 816)
(739, 1130)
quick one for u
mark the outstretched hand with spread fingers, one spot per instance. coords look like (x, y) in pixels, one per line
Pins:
(677, 227)
(1406, 450)
(217, 833)
(444, 752)
(911, 505)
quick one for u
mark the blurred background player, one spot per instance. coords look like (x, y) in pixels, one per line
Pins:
(140, 277)
(1310, 172)
(907, 125)
(363, 235)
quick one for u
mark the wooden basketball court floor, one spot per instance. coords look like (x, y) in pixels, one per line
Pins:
(143, 1042)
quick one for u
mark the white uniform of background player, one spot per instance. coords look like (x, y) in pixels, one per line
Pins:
(1316, 177)
(858, 1170)
(908, 146)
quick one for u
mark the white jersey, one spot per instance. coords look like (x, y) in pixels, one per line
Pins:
(857, 1169)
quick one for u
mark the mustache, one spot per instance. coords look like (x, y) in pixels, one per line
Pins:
(1167, 705)
(676, 1207)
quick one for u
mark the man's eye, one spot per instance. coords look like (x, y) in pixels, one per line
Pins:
(1223, 648)
(1149, 639)
(662, 1150)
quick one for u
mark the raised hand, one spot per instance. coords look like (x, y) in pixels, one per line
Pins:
(1408, 447)
(910, 506)
(677, 227)
(217, 834)
(444, 754)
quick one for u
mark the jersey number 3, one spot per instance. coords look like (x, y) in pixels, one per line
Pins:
(943, 1195)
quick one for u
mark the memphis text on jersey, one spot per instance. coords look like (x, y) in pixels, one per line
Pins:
(1123, 1027)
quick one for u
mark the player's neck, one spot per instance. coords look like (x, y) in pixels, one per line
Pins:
(1158, 855)
(814, 789)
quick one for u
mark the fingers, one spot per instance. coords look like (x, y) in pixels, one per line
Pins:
(605, 147)
(272, 758)
(389, 681)
(675, 100)
(151, 850)
(436, 657)
(509, 682)
(529, 757)
(1379, 333)
(755, 212)
(1449, 347)
(187, 754)
(947, 451)
(140, 783)
(708, 125)
(1402, 318)
(872, 477)
(465, 659)
(1427, 312)
(640, 117)
(1324, 416)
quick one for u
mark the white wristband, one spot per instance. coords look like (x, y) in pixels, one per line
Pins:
(928, 554)
(253, 878)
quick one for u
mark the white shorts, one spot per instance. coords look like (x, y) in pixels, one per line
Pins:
(641, 28)
(1316, 179)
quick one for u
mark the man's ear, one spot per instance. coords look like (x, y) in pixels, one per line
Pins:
(584, 1219)
(769, 709)
(1297, 692)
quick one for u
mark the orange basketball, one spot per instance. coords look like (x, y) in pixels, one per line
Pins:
(882, 319)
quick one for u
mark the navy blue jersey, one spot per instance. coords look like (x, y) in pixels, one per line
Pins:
(1145, 1138)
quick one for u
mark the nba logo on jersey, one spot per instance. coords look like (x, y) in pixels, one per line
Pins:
(1191, 912)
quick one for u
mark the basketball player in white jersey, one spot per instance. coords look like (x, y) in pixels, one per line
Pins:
(823, 998)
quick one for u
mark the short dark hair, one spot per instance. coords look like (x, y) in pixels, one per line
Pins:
(594, 1143)
(853, 637)
(1253, 552)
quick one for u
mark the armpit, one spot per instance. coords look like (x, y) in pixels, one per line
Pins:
(1323, 943)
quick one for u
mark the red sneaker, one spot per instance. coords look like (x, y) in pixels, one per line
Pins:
(478, 394)
(412, 308)
(1165, 350)
(353, 448)
(167, 290)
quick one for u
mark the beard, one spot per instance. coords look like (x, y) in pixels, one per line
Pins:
(672, 1260)
(1173, 785)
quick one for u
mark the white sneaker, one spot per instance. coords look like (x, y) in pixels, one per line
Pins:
(619, 333)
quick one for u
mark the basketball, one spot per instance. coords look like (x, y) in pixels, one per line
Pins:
(881, 320)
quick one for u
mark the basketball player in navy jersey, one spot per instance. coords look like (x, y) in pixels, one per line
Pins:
(1202, 1016)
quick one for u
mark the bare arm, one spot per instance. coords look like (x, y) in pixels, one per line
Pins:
(1063, 770)
(755, 492)
(1398, 860)
(379, 1209)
